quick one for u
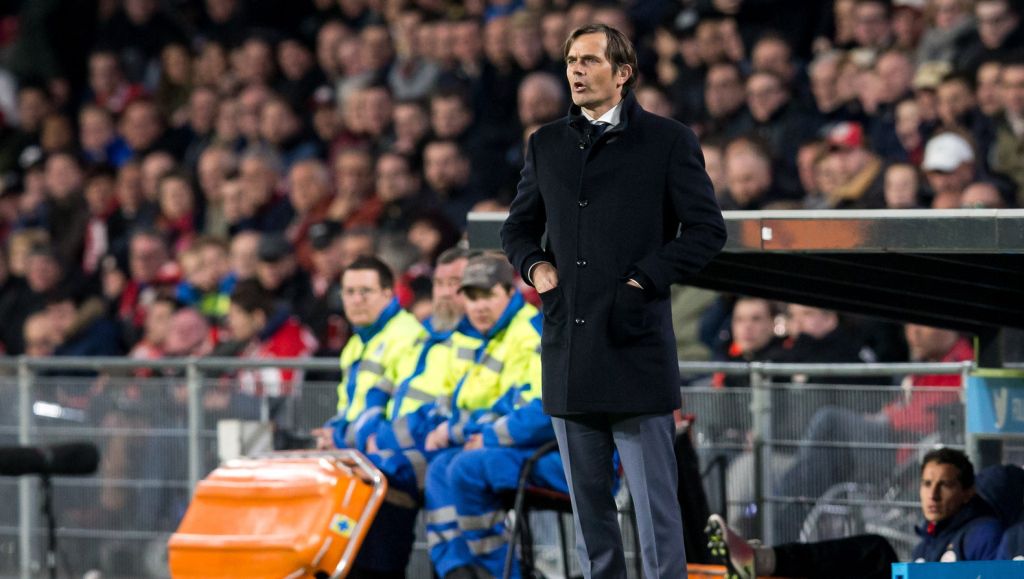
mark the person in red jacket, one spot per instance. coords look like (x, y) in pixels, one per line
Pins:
(262, 329)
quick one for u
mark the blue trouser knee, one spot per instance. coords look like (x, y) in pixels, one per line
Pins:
(478, 478)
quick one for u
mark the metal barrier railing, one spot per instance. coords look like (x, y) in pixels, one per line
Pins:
(156, 420)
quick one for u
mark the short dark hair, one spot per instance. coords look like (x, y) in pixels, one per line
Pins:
(453, 254)
(387, 279)
(619, 50)
(250, 296)
(953, 457)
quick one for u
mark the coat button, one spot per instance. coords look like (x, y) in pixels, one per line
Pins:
(580, 321)
(582, 145)
(584, 202)
(581, 263)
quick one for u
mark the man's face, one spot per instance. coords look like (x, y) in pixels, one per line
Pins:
(987, 92)
(158, 323)
(871, 27)
(995, 22)
(363, 297)
(929, 344)
(244, 325)
(814, 322)
(900, 187)
(951, 182)
(592, 82)
(272, 274)
(773, 56)
(942, 495)
(448, 117)
(353, 174)
(723, 91)
(307, 185)
(823, 85)
(747, 176)
(1011, 89)
(752, 325)
(146, 255)
(443, 167)
(896, 73)
(954, 100)
(188, 334)
(448, 301)
(765, 95)
(140, 125)
(394, 181)
(484, 307)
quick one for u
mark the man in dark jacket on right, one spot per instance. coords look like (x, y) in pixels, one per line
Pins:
(961, 523)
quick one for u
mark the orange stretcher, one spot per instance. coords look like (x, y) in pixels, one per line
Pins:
(285, 515)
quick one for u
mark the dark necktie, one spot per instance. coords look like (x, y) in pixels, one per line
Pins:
(599, 128)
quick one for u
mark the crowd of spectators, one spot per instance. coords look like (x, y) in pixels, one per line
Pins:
(174, 151)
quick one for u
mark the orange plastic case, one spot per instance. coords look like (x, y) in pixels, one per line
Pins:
(286, 515)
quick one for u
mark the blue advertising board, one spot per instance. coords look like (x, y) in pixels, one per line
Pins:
(959, 570)
(995, 404)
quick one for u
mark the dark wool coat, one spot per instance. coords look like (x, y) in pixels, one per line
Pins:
(612, 208)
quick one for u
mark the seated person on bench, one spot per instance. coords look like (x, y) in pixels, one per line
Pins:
(958, 526)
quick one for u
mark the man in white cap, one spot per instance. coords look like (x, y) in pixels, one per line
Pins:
(949, 166)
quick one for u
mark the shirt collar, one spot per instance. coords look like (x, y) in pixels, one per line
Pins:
(611, 116)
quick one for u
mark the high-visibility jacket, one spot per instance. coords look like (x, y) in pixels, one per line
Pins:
(369, 364)
(422, 375)
(504, 359)
(521, 421)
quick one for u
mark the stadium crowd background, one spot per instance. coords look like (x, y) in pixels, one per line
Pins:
(159, 154)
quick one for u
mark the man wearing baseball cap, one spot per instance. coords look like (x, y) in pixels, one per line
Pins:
(949, 166)
(495, 423)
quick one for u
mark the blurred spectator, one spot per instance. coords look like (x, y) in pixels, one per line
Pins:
(446, 170)
(216, 165)
(828, 99)
(781, 123)
(1008, 149)
(177, 218)
(279, 275)
(724, 101)
(872, 25)
(952, 23)
(748, 177)
(244, 254)
(156, 330)
(999, 34)
(901, 187)
(982, 195)
(262, 329)
(753, 339)
(326, 315)
(107, 85)
(208, 280)
(908, 24)
(861, 184)
(987, 88)
(43, 275)
(949, 166)
(309, 196)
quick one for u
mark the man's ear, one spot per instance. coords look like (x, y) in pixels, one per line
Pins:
(624, 73)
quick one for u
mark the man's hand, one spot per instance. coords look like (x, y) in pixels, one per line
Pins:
(324, 438)
(544, 277)
(475, 442)
(438, 438)
(371, 444)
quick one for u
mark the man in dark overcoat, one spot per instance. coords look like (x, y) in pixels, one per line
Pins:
(629, 210)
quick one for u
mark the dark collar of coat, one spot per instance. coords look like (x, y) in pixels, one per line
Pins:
(630, 111)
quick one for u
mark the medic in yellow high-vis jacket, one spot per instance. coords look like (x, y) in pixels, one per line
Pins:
(383, 334)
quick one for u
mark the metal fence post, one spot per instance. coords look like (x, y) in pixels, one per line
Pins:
(761, 421)
(26, 492)
(194, 383)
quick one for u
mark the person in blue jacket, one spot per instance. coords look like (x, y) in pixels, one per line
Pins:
(963, 521)
(959, 525)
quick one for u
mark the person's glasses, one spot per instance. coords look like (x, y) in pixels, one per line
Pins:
(363, 292)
